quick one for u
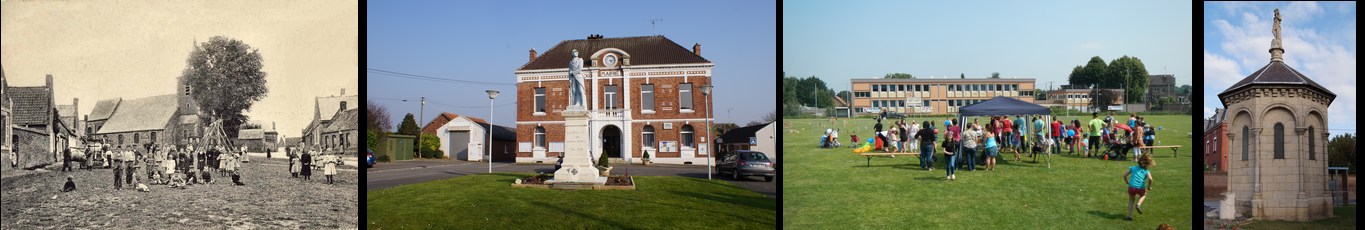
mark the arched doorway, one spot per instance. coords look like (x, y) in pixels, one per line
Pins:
(611, 141)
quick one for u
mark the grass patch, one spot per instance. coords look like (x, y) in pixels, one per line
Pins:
(489, 201)
(1342, 218)
(833, 188)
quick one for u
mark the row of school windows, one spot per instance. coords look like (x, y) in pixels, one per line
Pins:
(902, 103)
(612, 97)
(1279, 142)
(951, 87)
(646, 136)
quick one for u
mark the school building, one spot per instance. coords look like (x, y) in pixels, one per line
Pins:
(934, 96)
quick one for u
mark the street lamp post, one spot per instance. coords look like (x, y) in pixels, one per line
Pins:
(489, 145)
(706, 91)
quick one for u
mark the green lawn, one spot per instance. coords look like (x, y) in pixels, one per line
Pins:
(1342, 218)
(833, 188)
(489, 201)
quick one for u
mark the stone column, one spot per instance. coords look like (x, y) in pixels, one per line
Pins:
(1257, 202)
(1255, 161)
(1299, 153)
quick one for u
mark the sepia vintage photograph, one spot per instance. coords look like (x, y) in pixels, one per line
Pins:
(179, 114)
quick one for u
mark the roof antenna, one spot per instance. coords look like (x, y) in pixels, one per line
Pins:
(651, 25)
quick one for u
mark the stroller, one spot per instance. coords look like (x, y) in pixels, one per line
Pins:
(854, 138)
(1115, 148)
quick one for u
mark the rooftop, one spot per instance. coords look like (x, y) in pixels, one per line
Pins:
(643, 50)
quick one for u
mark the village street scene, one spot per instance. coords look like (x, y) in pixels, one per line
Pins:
(179, 115)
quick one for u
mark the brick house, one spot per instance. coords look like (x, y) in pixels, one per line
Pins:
(1215, 141)
(38, 133)
(644, 94)
(342, 134)
(324, 110)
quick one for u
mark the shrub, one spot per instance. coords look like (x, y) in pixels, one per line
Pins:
(647, 155)
(429, 143)
(383, 158)
(435, 154)
(602, 161)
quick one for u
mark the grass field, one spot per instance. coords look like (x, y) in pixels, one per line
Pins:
(1342, 218)
(488, 201)
(834, 188)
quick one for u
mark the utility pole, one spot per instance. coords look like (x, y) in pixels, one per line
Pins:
(421, 117)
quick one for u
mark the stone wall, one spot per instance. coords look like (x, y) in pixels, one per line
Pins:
(32, 148)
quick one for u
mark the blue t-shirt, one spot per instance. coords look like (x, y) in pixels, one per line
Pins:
(990, 142)
(1021, 126)
(1137, 177)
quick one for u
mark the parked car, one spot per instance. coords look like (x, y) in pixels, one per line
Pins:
(745, 163)
(369, 158)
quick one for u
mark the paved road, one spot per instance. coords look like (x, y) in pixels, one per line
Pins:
(392, 174)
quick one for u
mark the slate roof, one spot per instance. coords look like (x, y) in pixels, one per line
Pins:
(343, 121)
(643, 50)
(104, 109)
(66, 110)
(31, 105)
(148, 113)
(1277, 73)
(326, 107)
(742, 134)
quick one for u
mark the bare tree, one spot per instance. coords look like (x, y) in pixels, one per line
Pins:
(377, 117)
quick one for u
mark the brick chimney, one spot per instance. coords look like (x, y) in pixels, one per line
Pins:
(696, 49)
(49, 81)
(343, 105)
(533, 55)
(343, 91)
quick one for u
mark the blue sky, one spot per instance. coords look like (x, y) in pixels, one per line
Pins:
(839, 40)
(1319, 41)
(488, 40)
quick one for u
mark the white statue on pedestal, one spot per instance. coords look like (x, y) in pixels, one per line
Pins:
(576, 81)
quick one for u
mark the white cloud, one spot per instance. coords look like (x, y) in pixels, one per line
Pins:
(1219, 72)
(1208, 112)
(1323, 51)
(1305, 10)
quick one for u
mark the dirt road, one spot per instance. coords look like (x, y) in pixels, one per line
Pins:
(269, 200)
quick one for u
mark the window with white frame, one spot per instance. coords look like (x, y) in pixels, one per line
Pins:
(685, 96)
(610, 93)
(647, 97)
(540, 137)
(687, 136)
(540, 100)
(647, 136)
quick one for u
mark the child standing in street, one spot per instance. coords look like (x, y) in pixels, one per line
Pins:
(1139, 180)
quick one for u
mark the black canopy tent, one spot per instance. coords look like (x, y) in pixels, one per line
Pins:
(1003, 106)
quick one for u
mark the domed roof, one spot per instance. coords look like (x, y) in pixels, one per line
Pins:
(1278, 74)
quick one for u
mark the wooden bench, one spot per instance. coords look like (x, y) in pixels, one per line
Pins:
(1174, 148)
(870, 155)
